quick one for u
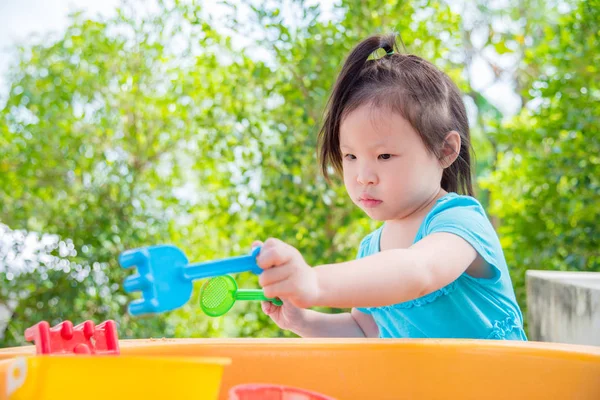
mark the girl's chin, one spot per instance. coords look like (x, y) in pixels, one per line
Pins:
(375, 214)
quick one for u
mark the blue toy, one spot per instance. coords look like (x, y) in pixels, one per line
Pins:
(165, 277)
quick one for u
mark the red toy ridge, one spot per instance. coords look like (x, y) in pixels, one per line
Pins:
(85, 338)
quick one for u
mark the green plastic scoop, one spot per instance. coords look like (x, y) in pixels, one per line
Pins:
(219, 294)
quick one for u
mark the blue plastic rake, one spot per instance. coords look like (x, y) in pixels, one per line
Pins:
(165, 276)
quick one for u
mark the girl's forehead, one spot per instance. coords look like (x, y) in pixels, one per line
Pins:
(375, 127)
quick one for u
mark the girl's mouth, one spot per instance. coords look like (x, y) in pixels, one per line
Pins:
(369, 202)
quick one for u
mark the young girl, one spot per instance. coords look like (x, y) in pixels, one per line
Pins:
(397, 130)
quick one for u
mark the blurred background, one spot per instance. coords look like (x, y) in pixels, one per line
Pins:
(126, 124)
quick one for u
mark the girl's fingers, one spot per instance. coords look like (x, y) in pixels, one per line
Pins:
(274, 253)
(267, 307)
(273, 275)
(280, 289)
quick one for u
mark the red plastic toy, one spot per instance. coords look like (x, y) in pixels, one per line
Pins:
(85, 338)
(263, 391)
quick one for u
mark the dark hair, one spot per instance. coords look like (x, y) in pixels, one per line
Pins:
(409, 85)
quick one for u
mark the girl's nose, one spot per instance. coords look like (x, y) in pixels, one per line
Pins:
(366, 176)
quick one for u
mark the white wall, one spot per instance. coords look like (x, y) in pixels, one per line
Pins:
(564, 306)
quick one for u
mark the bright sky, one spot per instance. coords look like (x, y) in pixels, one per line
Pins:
(21, 18)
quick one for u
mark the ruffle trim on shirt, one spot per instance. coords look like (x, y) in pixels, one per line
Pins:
(502, 328)
(424, 300)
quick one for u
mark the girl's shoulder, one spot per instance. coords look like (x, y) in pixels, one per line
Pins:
(465, 217)
(455, 208)
(454, 200)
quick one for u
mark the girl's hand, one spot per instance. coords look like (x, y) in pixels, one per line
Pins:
(286, 316)
(286, 275)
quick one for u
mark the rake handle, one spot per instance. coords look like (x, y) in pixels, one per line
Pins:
(231, 265)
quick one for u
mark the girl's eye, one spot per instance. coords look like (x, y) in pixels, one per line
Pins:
(385, 156)
(350, 156)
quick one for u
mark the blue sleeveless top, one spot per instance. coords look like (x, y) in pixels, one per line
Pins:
(469, 307)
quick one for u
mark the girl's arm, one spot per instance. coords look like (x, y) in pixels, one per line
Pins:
(354, 324)
(398, 275)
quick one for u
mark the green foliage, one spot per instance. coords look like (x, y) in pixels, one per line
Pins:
(101, 130)
(105, 128)
(159, 128)
(547, 182)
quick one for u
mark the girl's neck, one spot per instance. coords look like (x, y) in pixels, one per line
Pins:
(400, 233)
(420, 211)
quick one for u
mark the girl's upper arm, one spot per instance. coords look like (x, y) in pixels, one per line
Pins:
(444, 257)
(366, 323)
(466, 224)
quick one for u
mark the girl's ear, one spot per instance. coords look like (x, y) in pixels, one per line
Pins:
(450, 149)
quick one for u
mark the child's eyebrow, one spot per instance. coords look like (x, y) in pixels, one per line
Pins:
(373, 147)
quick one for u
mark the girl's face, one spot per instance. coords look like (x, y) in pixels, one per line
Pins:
(388, 171)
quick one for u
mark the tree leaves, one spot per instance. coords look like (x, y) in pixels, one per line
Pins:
(167, 127)
(548, 180)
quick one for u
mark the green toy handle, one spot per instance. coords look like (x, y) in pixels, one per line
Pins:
(255, 294)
